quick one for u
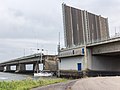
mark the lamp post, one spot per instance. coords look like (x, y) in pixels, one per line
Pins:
(42, 57)
(41, 54)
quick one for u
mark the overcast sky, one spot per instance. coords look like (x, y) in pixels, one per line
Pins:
(26, 25)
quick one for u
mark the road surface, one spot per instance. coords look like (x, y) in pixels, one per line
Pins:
(59, 86)
(93, 83)
(97, 83)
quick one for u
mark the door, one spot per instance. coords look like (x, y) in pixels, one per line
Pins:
(79, 66)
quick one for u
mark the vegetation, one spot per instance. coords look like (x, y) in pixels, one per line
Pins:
(27, 84)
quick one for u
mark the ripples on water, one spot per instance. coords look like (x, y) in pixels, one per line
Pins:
(12, 76)
(4, 76)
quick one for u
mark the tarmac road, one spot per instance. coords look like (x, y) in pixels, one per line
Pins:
(98, 83)
(92, 83)
(59, 86)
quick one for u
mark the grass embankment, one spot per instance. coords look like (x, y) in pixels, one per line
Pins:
(27, 84)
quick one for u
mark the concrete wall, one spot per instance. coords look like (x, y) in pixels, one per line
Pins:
(105, 63)
(70, 63)
(71, 52)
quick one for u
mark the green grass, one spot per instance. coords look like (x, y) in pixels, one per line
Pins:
(27, 84)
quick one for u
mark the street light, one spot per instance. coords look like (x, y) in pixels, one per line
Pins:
(41, 53)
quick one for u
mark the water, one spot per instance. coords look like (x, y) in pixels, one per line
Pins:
(4, 76)
(12, 76)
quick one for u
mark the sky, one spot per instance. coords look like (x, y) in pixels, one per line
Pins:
(26, 25)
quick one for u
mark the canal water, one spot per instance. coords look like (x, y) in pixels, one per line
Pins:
(12, 76)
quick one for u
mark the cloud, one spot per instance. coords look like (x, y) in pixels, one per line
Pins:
(24, 22)
(21, 24)
(12, 48)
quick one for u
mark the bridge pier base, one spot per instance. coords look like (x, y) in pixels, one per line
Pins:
(36, 67)
(20, 68)
(8, 68)
(1, 68)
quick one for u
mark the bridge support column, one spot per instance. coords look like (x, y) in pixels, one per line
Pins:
(1, 68)
(17, 68)
(20, 67)
(8, 68)
(36, 67)
(87, 61)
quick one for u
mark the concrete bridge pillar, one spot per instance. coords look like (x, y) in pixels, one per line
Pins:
(1, 68)
(17, 68)
(87, 61)
(20, 67)
(36, 67)
(23, 67)
(7, 68)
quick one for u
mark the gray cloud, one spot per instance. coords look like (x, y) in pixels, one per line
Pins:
(24, 23)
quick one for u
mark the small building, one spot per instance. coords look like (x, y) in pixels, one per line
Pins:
(71, 62)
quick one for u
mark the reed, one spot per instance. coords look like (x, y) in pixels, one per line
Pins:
(28, 83)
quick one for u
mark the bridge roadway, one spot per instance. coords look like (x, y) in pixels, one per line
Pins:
(104, 56)
(100, 56)
(111, 46)
(35, 59)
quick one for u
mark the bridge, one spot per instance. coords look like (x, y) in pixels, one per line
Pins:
(101, 57)
(104, 56)
(110, 46)
(49, 63)
(88, 45)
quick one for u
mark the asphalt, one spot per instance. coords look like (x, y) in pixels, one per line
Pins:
(59, 86)
(92, 83)
(98, 83)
